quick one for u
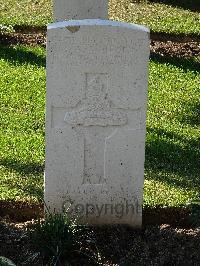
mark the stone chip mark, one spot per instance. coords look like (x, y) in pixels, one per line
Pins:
(73, 29)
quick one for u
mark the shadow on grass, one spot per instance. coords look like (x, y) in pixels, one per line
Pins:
(21, 55)
(191, 115)
(29, 187)
(193, 5)
(30, 181)
(184, 63)
(169, 153)
(23, 168)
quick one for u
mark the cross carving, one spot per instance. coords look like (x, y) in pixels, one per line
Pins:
(95, 117)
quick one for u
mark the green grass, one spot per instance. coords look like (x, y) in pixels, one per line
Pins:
(172, 149)
(173, 126)
(22, 121)
(159, 17)
(25, 12)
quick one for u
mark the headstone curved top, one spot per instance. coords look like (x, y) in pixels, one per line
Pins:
(97, 78)
(80, 9)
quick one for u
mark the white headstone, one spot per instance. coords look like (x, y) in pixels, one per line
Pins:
(80, 9)
(97, 73)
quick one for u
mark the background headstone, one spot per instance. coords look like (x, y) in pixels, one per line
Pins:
(80, 9)
(97, 73)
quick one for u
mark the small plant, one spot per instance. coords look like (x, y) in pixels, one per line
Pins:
(56, 238)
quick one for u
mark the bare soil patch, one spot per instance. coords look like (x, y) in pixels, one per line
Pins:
(153, 245)
(167, 236)
(18, 212)
(164, 45)
(178, 49)
(31, 39)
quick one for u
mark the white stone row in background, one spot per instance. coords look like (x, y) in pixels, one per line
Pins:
(80, 9)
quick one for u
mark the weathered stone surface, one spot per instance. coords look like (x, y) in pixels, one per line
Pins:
(97, 74)
(80, 9)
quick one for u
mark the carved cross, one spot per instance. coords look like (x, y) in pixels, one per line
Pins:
(96, 119)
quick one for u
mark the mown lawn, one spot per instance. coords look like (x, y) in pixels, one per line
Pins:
(25, 12)
(173, 126)
(172, 150)
(160, 16)
(22, 122)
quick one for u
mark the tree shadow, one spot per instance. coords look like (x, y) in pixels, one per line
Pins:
(21, 55)
(169, 153)
(193, 5)
(184, 63)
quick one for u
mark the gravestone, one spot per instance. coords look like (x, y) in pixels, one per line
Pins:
(80, 9)
(97, 75)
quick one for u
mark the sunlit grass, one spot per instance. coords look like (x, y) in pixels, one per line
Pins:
(158, 17)
(22, 121)
(25, 12)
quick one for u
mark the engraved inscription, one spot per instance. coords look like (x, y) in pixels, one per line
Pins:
(95, 109)
(112, 51)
